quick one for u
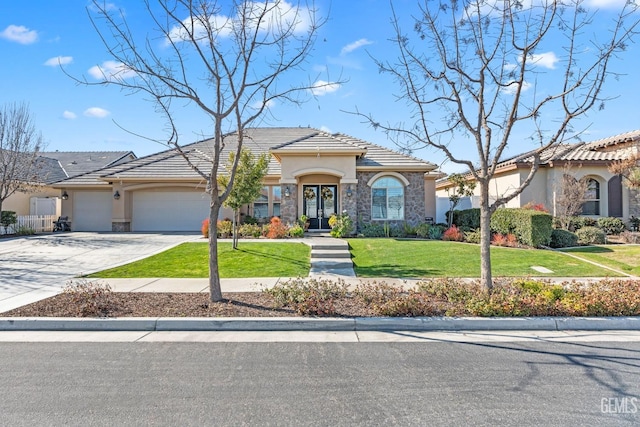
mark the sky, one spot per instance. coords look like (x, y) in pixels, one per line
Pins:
(36, 36)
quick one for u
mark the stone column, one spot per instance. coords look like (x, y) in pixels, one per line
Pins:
(289, 205)
(349, 203)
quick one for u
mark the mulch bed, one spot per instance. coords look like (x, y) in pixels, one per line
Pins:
(245, 304)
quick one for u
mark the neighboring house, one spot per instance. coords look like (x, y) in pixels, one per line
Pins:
(310, 172)
(41, 198)
(607, 196)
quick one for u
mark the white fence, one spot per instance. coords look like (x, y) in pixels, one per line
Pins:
(37, 223)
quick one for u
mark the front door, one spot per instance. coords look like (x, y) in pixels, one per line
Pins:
(320, 202)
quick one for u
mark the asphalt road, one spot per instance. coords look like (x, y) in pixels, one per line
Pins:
(333, 384)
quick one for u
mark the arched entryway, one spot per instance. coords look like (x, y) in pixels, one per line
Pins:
(319, 202)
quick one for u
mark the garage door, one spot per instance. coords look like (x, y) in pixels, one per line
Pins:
(169, 210)
(91, 211)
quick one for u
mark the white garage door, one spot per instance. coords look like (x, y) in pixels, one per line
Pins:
(169, 210)
(91, 211)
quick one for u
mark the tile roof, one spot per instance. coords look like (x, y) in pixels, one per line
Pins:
(75, 163)
(170, 164)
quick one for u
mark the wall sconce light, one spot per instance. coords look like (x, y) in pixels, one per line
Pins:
(287, 192)
(65, 195)
(349, 192)
(116, 195)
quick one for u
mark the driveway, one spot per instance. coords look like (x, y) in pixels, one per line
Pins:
(37, 267)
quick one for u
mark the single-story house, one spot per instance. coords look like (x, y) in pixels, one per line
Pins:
(607, 196)
(43, 199)
(310, 172)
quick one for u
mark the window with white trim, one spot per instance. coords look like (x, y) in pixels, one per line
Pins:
(591, 205)
(387, 199)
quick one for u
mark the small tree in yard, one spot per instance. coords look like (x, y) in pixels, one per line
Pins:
(473, 74)
(570, 196)
(20, 144)
(230, 60)
(462, 187)
(629, 169)
(247, 185)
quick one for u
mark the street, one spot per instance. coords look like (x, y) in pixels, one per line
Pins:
(338, 383)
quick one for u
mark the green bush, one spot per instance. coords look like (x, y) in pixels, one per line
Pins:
(531, 227)
(372, 230)
(250, 230)
(577, 222)
(296, 231)
(436, 231)
(7, 219)
(341, 225)
(563, 239)
(225, 228)
(591, 236)
(611, 225)
(422, 230)
(466, 219)
(472, 236)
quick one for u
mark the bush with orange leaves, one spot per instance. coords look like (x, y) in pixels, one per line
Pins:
(277, 230)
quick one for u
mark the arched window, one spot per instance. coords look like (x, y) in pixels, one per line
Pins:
(387, 199)
(591, 205)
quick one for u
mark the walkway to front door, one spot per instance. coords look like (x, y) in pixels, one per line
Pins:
(320, 202)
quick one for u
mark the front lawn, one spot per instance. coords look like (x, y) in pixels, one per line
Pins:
(621, 257)
(191, 260)
(431, 258)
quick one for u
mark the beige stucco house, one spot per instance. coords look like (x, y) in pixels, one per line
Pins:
(310, 172)
(607, 196)
(41, 198)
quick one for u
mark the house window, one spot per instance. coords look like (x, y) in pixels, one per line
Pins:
(261, 205)
(591, 205)
(387, 199)
(277, 198)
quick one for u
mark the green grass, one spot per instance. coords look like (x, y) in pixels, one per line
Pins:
(429, 258)
(621, 257)
(191, 260)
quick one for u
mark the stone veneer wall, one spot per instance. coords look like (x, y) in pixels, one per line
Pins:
(289, 205)
(120, 227)
(349, 204)
(414, 193)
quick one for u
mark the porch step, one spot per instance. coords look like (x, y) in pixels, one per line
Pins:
(328, 263)
(330, 246)
(323, 253)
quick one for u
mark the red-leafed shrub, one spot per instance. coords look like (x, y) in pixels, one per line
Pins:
(499, 239)
(277, 230)
(205, 228)
(453, 234)
(536, 207)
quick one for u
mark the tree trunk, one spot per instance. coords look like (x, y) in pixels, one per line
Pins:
(485, 238)
(235, 229)
(215, 290)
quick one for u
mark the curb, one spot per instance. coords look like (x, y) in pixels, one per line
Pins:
(152, 324)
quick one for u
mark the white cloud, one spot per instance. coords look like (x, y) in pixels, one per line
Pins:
(606, 4)
(546, 60)
(69, 115)
(269, 104)
(278, 16)
(326, 129)
(58, 60)
(513, 87)
(355, 45)
(111, 70)
(19, 34)
(96, 112)
(321, 87)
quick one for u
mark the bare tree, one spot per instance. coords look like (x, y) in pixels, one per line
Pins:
(469, 74)
(570, 195)
(20, 144)
(228, 59)
(629, 169)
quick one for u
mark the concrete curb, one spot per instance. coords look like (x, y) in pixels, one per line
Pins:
(320, 324)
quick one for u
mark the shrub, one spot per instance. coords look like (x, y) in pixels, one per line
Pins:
(453, 234)
(308, 296)
(536, 207)
(630, 237)
(408, 230)
(205, 228)
(341, 225)
(563, 239)
(88, 299)
(591, 236)
(372, 230)
(250, 230)
(577, 222)
(296, 231)
(466, 219)
(7, 219)
(225, 228)
(248, 219)
(532, 228)
(472, 236)
(276, 229)
(23, 230)
(422, 230)
(508, 240)
(435, 231)
(611, 225)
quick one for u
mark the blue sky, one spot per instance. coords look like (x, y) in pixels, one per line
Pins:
(71, 117)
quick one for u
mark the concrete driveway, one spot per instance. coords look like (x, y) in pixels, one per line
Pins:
(36, 267)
